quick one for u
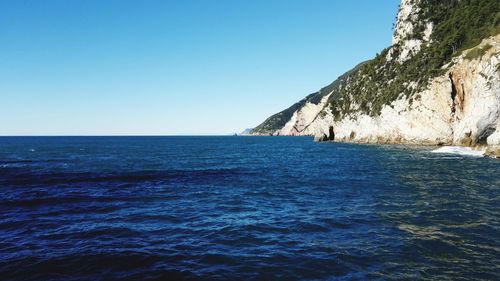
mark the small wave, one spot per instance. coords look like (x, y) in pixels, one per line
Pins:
(15, 163)
(459, 150)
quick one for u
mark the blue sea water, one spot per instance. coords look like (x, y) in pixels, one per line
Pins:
(243, 208)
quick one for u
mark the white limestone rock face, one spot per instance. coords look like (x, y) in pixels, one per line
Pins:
(477, 103)
(320, 128)
(302, 119)
(408, 49)
(494, 139)
(461, 107)
(429, 27)
(407, 15)
(424, 121)
(404, 40)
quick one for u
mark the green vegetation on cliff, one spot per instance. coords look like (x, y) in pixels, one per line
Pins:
(457, 25)
(279, 120)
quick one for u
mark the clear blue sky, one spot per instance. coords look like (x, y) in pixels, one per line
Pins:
(102, 67)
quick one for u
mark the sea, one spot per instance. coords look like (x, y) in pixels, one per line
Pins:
(244, 208)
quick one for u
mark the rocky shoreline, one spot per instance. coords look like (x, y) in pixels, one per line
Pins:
(458, 107)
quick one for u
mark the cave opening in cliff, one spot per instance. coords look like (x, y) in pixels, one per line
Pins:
(453, 93)
(483, 136)
(331, 134)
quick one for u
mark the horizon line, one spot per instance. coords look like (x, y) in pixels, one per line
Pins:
(125, 135)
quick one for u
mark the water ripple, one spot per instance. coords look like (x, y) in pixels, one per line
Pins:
(225, 208)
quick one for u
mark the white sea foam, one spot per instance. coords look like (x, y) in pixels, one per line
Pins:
(459, 150)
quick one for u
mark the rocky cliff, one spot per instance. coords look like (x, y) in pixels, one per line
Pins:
(438, 84)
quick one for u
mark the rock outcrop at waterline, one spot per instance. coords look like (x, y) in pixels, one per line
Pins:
(427, 88)
(460, 107)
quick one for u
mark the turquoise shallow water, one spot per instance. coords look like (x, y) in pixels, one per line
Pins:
(248, 208)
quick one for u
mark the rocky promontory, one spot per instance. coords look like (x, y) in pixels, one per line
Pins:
(437, 84)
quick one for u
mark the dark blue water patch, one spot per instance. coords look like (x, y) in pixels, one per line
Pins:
(25, 177)
(225, 208)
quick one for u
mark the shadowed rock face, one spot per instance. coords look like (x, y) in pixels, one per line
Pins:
(326, 137)
(457, 91)
(331, 134)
